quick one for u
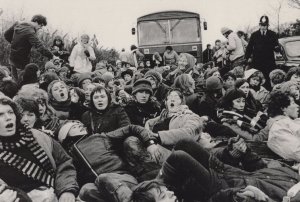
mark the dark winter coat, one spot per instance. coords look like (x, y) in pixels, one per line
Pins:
(140, 113)
(227, 181)
(22, 37)
(161, 92)
(102, 152)
(262, 49)
(113, 118)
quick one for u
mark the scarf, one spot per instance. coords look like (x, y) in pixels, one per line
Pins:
(42, 172)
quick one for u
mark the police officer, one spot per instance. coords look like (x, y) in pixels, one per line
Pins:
(261, 47)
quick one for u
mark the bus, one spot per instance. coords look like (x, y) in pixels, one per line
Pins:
(179, 29)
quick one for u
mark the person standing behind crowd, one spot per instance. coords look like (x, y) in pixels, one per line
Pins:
(234, 46)
(261, 47)
(22, 37)
(207, 54)
(81, 55)
(170, 56)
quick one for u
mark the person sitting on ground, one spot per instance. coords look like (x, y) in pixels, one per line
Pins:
(50, 174)
(229, 80)
(203, 177)
(293, 75)
(231, 113)
(104, 116)
(256, 79)
(159, 88)
(276, 77)
(142, 107)
(285, 126)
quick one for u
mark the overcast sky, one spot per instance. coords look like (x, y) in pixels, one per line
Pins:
(112, 20)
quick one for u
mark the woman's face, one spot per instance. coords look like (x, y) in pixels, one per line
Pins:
(217, 74)
(88, 91)
(163, 195)
(295, 77)
(206, 141)
(58, 42)
(245, 88)
(100, 100)
(85, 83)
(7, 120)
(127, 77)
(229, 82)
(60, 92)
(292, 110)
(28, 119)
(295, 91)
(84, 40)
(173, 101)
(142, 97)
(42, 107)
(152, 81)
(254, 81)
(238, 104)
(182, 62)
(74, 96)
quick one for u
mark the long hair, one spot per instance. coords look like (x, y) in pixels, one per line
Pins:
(183, 83)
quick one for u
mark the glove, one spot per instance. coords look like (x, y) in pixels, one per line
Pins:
(87, 53)
(237, 147)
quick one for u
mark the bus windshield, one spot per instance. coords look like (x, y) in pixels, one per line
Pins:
(169, 31)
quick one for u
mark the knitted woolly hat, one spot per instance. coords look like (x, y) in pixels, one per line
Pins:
(64, 129)
(142, 85)
(63, 69)
(128, 71)
(286, 86)
(47, 78)
(275, 73)
(231, 95)
(83, 77)
(156, 75)
(214, 83)
(249, 73)
(107, 76)
(50, 65)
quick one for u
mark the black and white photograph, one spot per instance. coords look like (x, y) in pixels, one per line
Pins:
(149, 100)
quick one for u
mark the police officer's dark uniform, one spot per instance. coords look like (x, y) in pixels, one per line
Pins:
(261, 47)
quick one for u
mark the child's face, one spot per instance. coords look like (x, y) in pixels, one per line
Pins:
(28, 119)
(254, 81)
(229, 82)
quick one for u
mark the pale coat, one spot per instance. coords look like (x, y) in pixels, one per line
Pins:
(284, 137)
(184, 124)
(79, 60)
(235, 46)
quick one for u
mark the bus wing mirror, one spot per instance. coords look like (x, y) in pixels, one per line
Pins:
(133, 31)
(205, 25)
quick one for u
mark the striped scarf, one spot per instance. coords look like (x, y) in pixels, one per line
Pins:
(42, 172)
(249, 123)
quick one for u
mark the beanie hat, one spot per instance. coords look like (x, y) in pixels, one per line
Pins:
(254, 72)
(286, 86)
(107, 76)
(225, 30)
(128, 71)
(63, 69)
(249, 73)
(277, 76)
(50, 65)
(231, 95)
(208, 73)
(63, 130)
(47, 78)
(156, 75)
(83, 77)
(142, 85)
(214, 83)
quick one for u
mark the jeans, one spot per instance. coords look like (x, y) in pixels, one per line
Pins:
(187, 172)
(110, 187)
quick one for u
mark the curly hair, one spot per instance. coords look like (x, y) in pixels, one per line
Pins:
(40, 19)
(291, 72)
(277, 102)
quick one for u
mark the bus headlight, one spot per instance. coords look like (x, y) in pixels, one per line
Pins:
(194, 48)
(146, 51)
